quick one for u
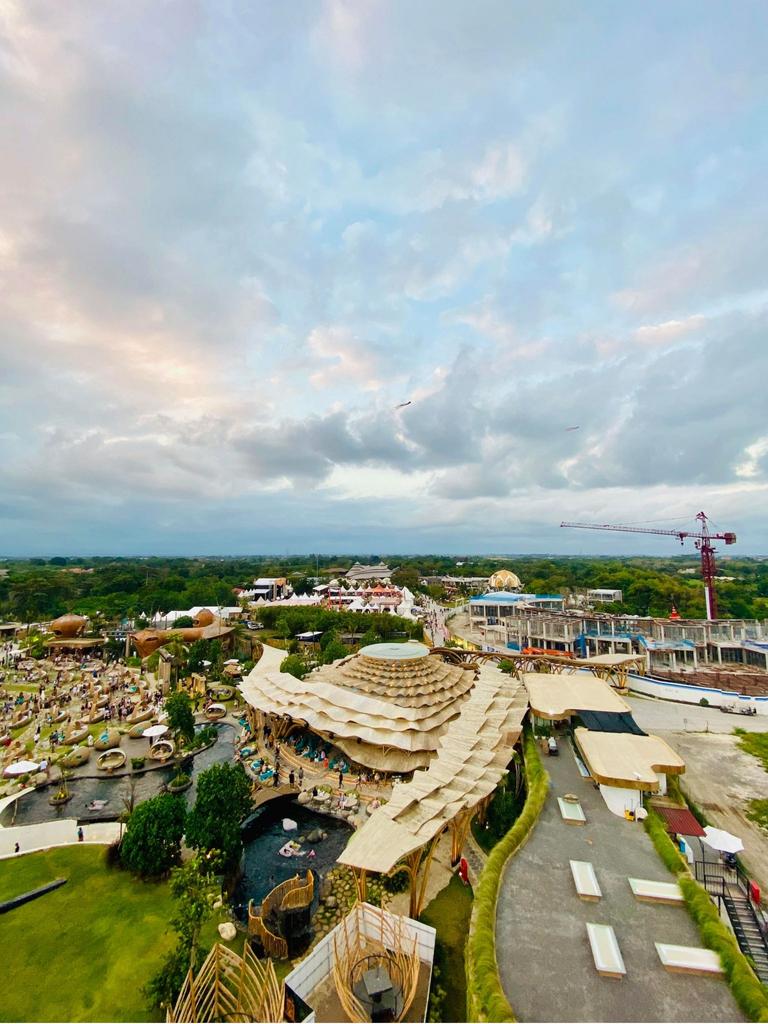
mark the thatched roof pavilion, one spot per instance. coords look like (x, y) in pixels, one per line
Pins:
(385, 707)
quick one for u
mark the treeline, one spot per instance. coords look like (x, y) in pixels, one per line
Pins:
(287, 622)
(115, 589)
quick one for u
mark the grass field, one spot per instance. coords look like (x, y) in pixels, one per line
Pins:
(449, 913)
(83, 952)
(754, 743)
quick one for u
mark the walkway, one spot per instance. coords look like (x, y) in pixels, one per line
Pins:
(545, 962)
(47, 834)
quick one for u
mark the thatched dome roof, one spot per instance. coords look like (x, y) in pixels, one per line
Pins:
(69, 625)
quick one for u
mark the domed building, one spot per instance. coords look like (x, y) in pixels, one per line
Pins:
(384, 708)
(504, 580)
(68, 626)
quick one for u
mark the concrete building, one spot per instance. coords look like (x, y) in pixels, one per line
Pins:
(600, 596)
(522, 621)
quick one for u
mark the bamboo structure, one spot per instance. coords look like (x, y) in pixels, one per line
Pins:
(229, 987)
(356, 950)
(292, 894)
(471, 760)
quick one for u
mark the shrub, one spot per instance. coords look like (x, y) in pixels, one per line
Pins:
(137, 763)
(152, 842)
(704, 702)
(666, 849)
(751, 996)
(294, 665)
(485, 996)
(112, 855)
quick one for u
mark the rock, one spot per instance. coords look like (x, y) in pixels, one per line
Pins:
(218, 903)
(304, 797)
(227, 931)
(330, 901)
(315, 836)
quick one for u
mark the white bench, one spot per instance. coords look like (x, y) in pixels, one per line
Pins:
(655, 892)
(571, 812)
(605, 951)
(585, 880)
(689, 959)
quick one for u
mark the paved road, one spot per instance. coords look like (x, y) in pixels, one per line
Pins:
(665, 715)
(545, 961)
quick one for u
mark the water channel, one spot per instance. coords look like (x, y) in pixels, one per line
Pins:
(35, 808)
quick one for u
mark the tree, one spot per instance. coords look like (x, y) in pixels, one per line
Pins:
(152, 842)
(333, 651)
(181, 718)
(283, 627)
(294, 665)
(193, 890)
(223, 801)
(184, 622)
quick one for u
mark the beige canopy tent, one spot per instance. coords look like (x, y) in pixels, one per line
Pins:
(559, 695)
(627, 761)
(471, 759)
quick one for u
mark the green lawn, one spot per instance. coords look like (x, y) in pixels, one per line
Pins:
(754, 743)
(757, 810)
(449, 913)
(83, 952)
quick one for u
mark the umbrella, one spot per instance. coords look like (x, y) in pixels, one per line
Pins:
(21, 768)
(231, 661)
(721, 840)
(155, 730)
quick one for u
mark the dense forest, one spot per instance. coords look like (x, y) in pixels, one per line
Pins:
(116, 588)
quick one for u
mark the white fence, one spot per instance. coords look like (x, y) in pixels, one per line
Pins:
(684, 694)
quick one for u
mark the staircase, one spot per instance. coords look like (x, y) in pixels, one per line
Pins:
(747, 930)
(731, 885)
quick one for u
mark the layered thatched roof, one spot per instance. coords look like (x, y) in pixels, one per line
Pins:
(472, 757)
(385, 707)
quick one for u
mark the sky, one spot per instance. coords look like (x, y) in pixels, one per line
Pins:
(235, 235)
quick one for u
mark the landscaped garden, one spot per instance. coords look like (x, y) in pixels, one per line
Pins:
(84, 951)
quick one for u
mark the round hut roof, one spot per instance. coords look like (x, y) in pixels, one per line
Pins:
(69, 625)
(204, 617)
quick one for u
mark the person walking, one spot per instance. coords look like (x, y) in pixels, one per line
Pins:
(301, 776)
(80, 834)
(291, 777)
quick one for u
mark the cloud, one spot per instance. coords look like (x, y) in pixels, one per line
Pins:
(234, 240)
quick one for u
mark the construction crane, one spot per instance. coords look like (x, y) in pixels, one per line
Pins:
(703, 541)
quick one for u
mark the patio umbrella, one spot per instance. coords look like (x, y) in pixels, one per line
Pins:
(721, 840)
(21, 768)
(155, 730)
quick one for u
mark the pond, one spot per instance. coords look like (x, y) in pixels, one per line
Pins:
(264, 868)
(34, 808)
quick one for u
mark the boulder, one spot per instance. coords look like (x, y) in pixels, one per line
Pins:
(330, 901)
(315, 836)
(227, 931)
(304, 797)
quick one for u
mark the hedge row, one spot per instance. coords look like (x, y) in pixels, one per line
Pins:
(747, 990)
(485, 996)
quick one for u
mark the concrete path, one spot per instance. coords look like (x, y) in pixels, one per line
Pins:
(32, 838)
(545, 961)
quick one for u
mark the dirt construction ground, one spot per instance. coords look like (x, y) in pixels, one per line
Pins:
(722, 779)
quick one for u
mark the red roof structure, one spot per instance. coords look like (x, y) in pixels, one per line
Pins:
(680, 821)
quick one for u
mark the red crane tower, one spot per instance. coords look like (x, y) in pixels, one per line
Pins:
(702, 540)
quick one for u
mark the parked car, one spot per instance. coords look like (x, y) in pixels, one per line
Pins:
(552, 747)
